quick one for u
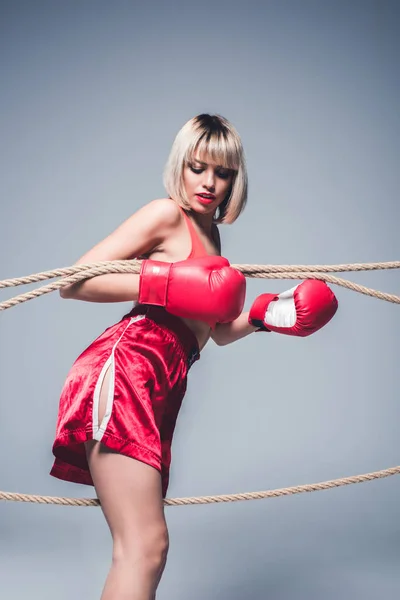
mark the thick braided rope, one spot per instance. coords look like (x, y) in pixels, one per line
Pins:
(250, 270)
(80, 272)
(289, 491)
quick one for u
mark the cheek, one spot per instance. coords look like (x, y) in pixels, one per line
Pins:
(187, 180)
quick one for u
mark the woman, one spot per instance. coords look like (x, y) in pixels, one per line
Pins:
(121, 399)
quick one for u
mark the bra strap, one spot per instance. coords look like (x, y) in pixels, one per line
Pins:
(197, 245)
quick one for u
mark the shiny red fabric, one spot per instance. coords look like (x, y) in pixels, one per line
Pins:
(150, 353)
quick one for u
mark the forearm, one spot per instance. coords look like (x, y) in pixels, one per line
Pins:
(226, 333)
(113, 287)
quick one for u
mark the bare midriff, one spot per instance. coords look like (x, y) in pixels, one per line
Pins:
(200, 329)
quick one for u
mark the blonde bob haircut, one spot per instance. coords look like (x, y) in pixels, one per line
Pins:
(214, 137)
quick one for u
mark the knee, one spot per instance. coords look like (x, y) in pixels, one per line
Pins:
(149, 549)
(156, 550)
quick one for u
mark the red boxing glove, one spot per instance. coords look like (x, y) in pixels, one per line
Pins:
(206, 289)
(300, 311)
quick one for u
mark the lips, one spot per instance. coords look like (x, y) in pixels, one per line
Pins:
(205, 198)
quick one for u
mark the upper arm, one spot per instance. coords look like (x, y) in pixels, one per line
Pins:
(140, 233)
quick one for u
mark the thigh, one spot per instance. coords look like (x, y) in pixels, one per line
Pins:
(130, 493)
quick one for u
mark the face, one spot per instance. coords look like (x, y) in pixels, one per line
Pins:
(206, 183)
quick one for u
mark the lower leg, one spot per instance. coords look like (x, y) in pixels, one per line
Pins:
(136, 568)
(131, 499)
(127, 581)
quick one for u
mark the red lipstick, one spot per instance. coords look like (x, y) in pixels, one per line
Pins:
(205, 198)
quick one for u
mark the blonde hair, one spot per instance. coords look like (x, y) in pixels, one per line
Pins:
(213, 136)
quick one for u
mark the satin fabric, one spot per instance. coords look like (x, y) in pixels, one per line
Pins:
(149, 352)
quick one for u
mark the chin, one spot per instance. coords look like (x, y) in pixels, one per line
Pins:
(205, 208)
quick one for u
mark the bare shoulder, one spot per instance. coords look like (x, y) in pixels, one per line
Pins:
(161, 210)
(143, 231)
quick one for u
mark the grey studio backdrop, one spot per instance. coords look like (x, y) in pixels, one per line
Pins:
(92, 95)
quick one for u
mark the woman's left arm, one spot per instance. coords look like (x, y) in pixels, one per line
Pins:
(300, 311)
(226, 333)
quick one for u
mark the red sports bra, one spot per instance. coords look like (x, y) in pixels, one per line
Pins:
(198, 248)
(197, 245)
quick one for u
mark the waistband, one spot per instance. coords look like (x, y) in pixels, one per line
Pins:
(159, 315)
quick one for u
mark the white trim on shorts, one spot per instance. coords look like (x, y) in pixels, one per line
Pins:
(99, 430)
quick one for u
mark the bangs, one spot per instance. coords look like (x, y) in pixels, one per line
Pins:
(215, 142)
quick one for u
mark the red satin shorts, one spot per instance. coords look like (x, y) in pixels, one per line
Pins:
(149, 352)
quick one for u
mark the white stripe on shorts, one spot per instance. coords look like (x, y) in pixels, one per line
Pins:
(98, 430)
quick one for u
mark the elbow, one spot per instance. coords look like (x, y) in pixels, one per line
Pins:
(220, 340)
(66, 291)
(219, 335)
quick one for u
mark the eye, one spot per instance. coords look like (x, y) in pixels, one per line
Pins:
(196, 170)
(223, 174)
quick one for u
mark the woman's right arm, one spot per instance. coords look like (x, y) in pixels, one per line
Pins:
(143, 231)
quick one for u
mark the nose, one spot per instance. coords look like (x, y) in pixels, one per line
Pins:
(209, 179)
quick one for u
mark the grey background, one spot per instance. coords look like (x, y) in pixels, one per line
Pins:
(92, 95)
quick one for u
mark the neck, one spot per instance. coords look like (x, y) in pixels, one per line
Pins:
(203, 221)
